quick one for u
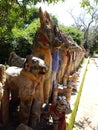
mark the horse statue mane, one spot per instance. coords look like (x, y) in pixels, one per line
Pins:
(47, 35)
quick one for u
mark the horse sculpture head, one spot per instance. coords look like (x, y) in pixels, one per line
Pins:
(48, 35)
(35, 65)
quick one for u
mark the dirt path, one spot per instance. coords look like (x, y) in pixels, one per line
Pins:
(87, 113)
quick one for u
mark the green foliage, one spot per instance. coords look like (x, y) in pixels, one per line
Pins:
(13, 13)
(22, 46)
(9, 15)
(32, 13)
(76, 34)
(54, 19)
(87, 5)
(94, 47)
(31, 29)
(6, 47)
(49, 1)
(27, 32)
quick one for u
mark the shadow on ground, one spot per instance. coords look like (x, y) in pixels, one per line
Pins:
(83, 124)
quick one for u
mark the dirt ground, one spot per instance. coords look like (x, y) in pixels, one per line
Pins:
(87, 113)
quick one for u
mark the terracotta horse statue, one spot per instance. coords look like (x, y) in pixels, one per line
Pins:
(47, 39)
(21, 84)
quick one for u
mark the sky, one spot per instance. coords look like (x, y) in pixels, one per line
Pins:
(61, 10)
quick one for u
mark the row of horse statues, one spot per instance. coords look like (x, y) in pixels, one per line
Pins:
(36, 86)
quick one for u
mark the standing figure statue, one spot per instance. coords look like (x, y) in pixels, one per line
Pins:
(58, 112)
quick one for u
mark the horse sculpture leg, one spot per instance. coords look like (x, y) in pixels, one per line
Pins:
(25, 108)
(47, 89)
(35, 113)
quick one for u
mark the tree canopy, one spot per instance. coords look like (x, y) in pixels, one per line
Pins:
(19, 20)
(17, 12)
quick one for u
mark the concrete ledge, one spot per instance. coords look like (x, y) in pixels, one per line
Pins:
(76, 98)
